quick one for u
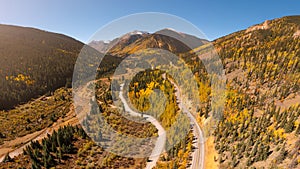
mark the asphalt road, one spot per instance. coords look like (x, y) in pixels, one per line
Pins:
(161, 140)
(198, 154)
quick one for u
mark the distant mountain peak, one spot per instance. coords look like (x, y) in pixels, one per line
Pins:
(131, 41)
(137, 32)
(171, 29)
(124, 40)
(168, 31)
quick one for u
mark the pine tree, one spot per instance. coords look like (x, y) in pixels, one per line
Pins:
(7, 158)
(34, 165)
(298, 130)
(282, 154)
(289, 126)
(99, 135)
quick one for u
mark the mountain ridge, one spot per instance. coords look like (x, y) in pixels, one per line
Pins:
(141, 40)
(261, 124)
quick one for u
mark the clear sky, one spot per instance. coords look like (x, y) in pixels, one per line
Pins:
(80, 19)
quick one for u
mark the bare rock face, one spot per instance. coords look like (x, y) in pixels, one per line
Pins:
(297, 34)
(265, 25)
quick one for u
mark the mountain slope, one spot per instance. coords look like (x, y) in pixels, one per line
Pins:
(189, 40)
(261, 123)
(118, 43)
(261, 119)
(33, 62)
(164, 39)
(100, 46)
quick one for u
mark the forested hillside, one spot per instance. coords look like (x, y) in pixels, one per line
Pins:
(33, 62)
(261, 127)
(68, 146)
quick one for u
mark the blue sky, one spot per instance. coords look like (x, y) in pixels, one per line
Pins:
(80, 19)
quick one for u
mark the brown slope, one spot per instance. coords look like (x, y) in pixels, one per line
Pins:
(263, 70)
(118, 43)
(33, 62)
(164, 39)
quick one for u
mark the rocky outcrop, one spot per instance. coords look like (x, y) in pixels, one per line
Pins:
(297, 33)
(265, 25)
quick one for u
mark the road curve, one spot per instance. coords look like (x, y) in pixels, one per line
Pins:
(161, 140)
(198, 154)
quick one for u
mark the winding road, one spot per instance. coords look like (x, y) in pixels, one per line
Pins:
(198, 153)
(161, 140)
(198, 144)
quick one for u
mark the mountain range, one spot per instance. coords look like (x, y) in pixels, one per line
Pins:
(131, 42)
(260, 126)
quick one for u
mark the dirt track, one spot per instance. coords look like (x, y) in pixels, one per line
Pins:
(16, 146)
